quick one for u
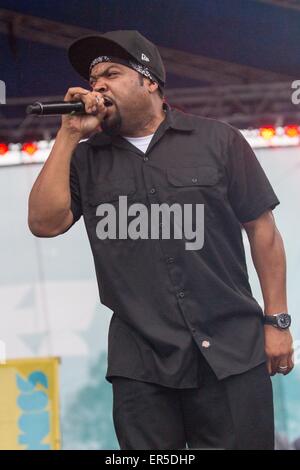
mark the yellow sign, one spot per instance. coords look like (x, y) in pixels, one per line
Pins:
(29, 408)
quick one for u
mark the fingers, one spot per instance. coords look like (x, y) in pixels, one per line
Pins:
(273, 362)
(290, 363)
(285, 365)
(279, 365)
(283, 368)
(274, 366)
(269, 366)
(93, 101)
(74, 93)
(279, 351)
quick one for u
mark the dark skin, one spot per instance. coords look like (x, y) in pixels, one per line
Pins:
(137, 106)
(135, 98)
(268, 256)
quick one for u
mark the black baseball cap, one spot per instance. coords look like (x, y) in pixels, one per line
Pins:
(124, 44)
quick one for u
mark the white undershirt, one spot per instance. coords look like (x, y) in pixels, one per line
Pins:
(141, 143)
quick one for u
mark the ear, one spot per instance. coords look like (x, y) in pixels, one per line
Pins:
(151, 86)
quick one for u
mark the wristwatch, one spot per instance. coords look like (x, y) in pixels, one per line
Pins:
(279, 320)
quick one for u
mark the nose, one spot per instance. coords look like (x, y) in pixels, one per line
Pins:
(100, 89)
(99, 86)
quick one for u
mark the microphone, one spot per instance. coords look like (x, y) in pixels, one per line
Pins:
(60, 107)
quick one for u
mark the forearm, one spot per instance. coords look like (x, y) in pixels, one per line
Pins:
(269, 259)
(50, 198)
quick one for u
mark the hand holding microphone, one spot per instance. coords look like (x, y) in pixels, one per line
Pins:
(60, 107)
(82, 111)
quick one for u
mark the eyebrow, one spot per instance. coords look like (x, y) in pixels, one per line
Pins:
(103, 73)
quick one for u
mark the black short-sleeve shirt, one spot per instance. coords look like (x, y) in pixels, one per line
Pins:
(170, 303)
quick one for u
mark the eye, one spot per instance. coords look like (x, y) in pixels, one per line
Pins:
(112, 73)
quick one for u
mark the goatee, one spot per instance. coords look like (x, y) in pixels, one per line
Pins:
(112, 126)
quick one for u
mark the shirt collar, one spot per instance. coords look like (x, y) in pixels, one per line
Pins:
(178, 120)
(175, 119)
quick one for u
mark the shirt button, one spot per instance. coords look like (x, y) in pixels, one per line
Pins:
(145, 159)
(152, 191)
(205, 344)
(170, 260)
(180, 294)
(194, 180)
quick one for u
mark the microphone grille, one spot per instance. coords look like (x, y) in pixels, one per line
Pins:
(34, 108)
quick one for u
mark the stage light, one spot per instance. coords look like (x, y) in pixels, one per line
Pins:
(267, 132)
(3, 148)
(291, 130)
(264, 137)
(29, 147)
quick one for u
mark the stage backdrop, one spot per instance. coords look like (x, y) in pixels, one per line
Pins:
(50, 305)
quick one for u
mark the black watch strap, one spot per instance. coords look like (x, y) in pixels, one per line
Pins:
(279, 320)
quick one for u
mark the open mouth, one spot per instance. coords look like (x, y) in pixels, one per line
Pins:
(107, 102)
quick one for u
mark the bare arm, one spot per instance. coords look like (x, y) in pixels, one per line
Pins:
(49, 205)
(269, 259)
(50, 198)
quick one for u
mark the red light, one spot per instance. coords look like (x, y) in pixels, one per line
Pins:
(3, 148)
(29, 147)
(292, 130)
(267, 132)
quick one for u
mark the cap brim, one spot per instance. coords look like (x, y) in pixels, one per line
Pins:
(84, 50)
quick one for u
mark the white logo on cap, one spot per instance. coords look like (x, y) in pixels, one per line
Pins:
(144, 57)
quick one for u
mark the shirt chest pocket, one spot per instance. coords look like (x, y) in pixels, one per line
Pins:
(193, 184)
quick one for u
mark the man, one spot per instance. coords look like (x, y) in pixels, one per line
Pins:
(190, 351)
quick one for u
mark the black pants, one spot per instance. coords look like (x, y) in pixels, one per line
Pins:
(233, 413)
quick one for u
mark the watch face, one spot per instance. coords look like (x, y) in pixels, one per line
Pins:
(284, 320)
